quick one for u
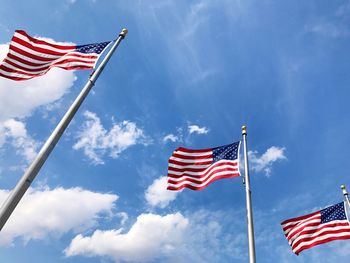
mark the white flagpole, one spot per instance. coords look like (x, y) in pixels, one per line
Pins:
(28, 177)
(248, 199)
(346, 195)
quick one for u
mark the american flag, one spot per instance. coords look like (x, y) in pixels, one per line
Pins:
(317, 228)
(196, 169)
(29, 57)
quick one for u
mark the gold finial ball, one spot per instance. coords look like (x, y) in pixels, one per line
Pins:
(124, 31)
(342, 187)
(244, 129)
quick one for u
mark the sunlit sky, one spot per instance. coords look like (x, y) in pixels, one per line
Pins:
(189, 73)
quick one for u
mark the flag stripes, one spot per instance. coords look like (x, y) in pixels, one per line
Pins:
(29, 57)
(196, 169)
(317, 228)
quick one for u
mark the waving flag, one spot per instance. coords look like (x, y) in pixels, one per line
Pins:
(29, 57)
(317, 228)
(196, 169)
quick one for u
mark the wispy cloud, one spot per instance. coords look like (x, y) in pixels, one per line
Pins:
(157, 194)
(96, 141)
(198, 130)
(15, 133)
(170, 137)
(184, 133)
(45, 212)
(264, 162)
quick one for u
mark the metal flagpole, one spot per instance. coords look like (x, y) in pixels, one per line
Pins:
(248, 199)
(345, 193)
(28, 177)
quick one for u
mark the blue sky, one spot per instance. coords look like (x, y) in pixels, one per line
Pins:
(189, 73)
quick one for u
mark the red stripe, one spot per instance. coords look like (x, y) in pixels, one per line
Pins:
(29, 55)
(322, 242)
(182, 149)
(315, 231)
(199, 180)
(177, 155)
(13, 56)
(211, 170)
(4, 68)
(299, 218)
(298, 225)
(201, 187)
(184, 170)
(24, 68)
(187, 164)
(14, 78)
(42, 42)
(38, 49)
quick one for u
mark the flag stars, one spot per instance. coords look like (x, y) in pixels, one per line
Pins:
(336, 212)
(92, 48)
(227, 152)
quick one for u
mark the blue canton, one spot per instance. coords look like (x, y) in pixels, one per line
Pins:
(227, 152)
(334, 212)
(92, 48)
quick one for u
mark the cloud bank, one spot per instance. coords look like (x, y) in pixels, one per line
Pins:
(53, 212)
(151, 236)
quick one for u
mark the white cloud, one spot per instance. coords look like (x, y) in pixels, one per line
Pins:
(265, 161)
(15, 132)
(157, 194)
(151, 236)
(20, 98)
(169, 238)
(53, 212)
(197, 129)
(96, 141)
(170, 137)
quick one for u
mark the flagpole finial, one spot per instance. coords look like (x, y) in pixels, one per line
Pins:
(124, 32)
(244, 130)
(344, 189)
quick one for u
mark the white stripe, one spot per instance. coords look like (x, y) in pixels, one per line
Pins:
(24, 38)
(36, 53)
(190, 160)
(295, 223)
(11, 74)
(319, 239)
(44, 64)
(23, 70)
(200, 173)
(193, 154)
(199, 167)
(305, 224)
(210, 173)
(69, 55)
(295, 239)
(39, 62)
(201, 184)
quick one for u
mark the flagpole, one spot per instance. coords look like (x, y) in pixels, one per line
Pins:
(28, 177)
(345, 193)
(248, 199)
